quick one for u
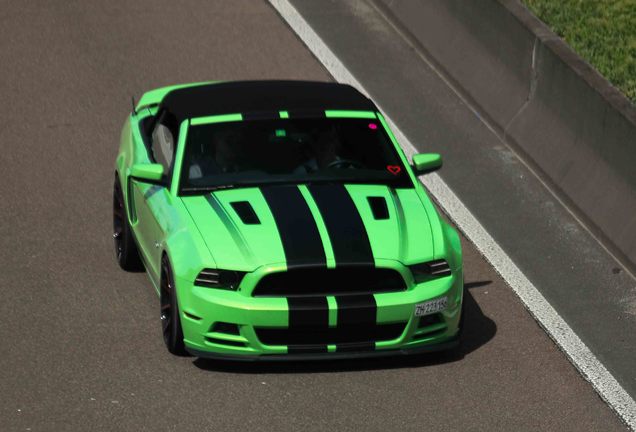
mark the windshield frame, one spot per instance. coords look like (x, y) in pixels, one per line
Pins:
(182, 190)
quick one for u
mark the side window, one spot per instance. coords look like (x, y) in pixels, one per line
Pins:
(162, 146)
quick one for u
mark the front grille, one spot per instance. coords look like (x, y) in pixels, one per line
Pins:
(311, 281)
(331, 335)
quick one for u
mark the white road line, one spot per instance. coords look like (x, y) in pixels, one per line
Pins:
(576, 351)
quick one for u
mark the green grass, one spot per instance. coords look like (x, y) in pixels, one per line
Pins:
(603, 32)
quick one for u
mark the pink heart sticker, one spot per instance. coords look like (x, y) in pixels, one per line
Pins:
(394, 169)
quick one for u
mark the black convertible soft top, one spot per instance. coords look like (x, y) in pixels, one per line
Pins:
(263, 97)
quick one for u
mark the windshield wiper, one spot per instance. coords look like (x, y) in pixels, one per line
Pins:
(255, 183)
(205, 189)
(202, 189)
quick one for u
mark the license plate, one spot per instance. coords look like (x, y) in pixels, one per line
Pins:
(431, 306)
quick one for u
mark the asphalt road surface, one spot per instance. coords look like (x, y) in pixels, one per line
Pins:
(81, 340)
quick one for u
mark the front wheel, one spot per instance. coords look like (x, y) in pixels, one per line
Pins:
(170, 319)
(457, 351)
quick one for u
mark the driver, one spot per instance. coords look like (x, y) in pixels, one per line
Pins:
(224, 152)
(201, 157)
(320, 152)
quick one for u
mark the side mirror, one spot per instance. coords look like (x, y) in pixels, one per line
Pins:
(424, 163)
(149, 173)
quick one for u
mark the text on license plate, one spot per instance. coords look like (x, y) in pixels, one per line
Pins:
(431, 306)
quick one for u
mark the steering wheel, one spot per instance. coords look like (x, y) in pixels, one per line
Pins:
(344, 164)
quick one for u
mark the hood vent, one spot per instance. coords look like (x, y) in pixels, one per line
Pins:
(246, 212)
(378, 208)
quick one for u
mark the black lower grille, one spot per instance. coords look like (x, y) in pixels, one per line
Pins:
(331, 335)
(314, 281)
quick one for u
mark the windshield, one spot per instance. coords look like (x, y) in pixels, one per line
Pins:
(306, 150)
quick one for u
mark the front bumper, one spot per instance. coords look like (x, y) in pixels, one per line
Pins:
(201, 308)
(427, 348)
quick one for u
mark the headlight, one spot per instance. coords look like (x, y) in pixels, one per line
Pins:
(430, 270)
(223, 279)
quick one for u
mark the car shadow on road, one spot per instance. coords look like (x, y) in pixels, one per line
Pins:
(478, 330)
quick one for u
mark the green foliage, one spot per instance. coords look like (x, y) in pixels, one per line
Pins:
(603, 32)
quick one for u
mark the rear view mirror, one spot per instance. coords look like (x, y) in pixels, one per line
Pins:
(424, 163)
(149, 173)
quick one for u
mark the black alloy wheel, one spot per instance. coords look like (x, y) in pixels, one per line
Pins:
(170, 320)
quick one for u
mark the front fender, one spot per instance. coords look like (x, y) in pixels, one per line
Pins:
(185, 247)
(453, 246)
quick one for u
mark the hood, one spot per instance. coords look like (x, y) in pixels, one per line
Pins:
(313, 225)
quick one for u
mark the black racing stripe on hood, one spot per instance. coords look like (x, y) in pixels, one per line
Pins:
(296, 225)
(349, 238)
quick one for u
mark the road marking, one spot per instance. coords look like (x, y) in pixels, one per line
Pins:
(575, 350)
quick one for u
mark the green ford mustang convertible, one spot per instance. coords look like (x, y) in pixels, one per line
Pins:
(281, 220)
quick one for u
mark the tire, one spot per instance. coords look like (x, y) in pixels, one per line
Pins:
(457, 351)
(169, 312)
(125, 247)
(460, 333)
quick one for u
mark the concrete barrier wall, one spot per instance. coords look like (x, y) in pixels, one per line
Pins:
(558, 112)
